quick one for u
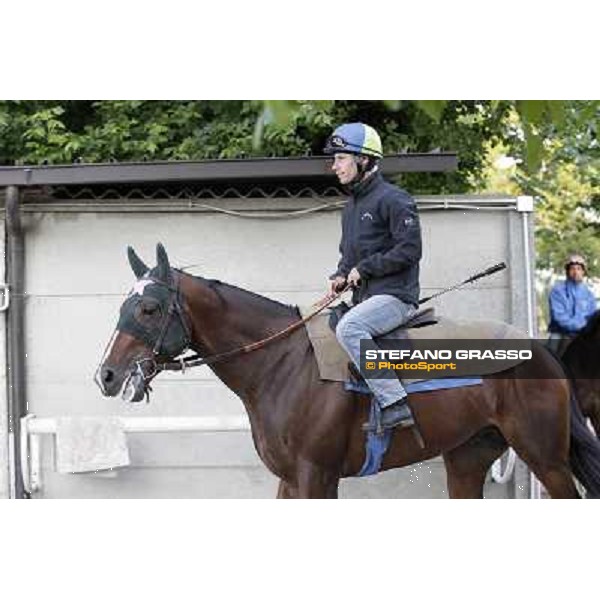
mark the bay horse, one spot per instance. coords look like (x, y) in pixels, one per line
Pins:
(308, 431)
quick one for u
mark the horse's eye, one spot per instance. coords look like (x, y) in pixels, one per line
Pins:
(148, 308)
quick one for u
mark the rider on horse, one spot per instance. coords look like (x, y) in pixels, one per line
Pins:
(572, 303)
(380, 251)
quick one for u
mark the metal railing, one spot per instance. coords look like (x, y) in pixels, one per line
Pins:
(33, 427)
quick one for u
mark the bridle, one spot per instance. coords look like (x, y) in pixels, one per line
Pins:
(139, 369)
(175, 309)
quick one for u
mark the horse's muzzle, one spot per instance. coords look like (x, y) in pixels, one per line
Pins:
(109, 380)
(134, 382)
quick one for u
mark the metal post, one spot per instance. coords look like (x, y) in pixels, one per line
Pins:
(15, 257)
(5, 444)
(525, 207)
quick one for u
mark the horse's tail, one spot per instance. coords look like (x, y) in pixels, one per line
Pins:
(585, 451)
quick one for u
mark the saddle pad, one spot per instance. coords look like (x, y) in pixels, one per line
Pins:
(332, 359)
(414, 387)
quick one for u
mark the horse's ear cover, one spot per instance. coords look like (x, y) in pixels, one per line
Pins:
(162, 261)
(137, 264)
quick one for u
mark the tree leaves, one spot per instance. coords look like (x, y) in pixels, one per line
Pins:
(434, 108)
(561, 167)
(537, 117)
(392, 104)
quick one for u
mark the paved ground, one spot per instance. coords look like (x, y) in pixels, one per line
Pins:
(424, 480)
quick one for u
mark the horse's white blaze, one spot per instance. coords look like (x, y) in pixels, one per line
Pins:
(139, 287)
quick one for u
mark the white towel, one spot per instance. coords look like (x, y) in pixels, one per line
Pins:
(85, 444)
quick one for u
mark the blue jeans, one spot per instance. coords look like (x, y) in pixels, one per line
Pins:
(373, 317)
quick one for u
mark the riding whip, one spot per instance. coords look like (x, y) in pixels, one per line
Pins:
(489, 271)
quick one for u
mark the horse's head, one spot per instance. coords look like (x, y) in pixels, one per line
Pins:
(152, 327)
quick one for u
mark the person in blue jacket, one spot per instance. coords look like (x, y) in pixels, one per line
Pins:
(380, 251)
(572, 303)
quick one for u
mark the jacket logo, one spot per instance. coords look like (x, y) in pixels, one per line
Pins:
(366, 215)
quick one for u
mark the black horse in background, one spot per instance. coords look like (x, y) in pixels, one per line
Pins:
(581, 361)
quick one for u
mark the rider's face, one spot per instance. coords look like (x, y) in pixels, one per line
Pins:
(575, 272)
(344, 166)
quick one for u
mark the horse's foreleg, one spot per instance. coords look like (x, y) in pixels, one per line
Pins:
(315, 487)
(316, 482)
(286, 490)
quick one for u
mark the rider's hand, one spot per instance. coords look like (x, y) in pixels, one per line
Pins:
(354, 277)
(335, 285)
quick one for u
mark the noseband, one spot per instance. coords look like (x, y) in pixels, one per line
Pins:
(175, 309)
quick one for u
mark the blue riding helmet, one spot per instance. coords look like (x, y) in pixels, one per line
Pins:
(355, 138)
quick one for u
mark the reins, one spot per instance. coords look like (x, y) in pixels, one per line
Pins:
(195, 361)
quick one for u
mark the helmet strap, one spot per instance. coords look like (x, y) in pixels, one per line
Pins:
(360, 169)
(364, 169)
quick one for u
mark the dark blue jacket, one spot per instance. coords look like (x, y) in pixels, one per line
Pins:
(571, 305)
(381, 237)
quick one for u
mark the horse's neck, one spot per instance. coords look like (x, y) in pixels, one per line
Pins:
(228, 321)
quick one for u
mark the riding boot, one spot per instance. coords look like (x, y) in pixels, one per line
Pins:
(397, 414)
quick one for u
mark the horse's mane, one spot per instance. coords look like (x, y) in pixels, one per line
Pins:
(223, 289)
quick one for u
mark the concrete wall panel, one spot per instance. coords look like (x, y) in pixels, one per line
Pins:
(78, 275)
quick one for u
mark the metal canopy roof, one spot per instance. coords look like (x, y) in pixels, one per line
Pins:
(250, 169)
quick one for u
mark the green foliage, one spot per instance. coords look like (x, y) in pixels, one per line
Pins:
(565, 220)
(434, 108)
(62, 132)
(561, 168)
